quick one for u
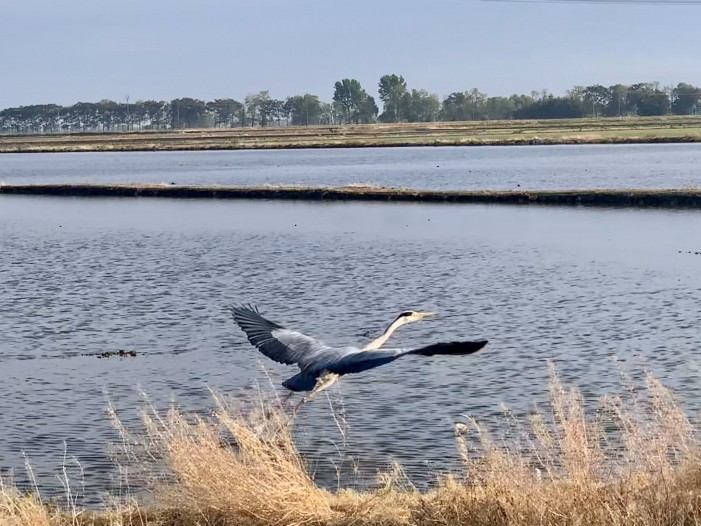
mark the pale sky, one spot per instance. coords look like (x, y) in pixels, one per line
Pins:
(88, 50)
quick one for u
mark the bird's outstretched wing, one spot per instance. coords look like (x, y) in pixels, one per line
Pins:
(275, 341)
(362, 361)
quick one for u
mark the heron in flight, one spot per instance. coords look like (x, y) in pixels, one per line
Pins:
(321, 365)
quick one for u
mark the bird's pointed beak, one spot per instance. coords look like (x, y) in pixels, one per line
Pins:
(427, 314)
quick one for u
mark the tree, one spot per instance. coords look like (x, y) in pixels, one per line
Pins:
(262, 110)
(304, 109)
(368, 110)
(596, 97)
(355, 104)
(455, 107)
(275, 109)
(550, 107)
(618, 104)
(267, 109)
(330, 113)
(137, 115)
(499, 108)
(157, 113)
(38, 118)
(421, 106)
(351, 104)
(48, 116)
(348, 93)
(187, 113)
(656, 103)
(686, 99)
(110, 114)
(521, 101)
(225, 111)
(392, 90)
(648, 99)
(83, 116)
(476, 101)
(253, 103)
(465, 106)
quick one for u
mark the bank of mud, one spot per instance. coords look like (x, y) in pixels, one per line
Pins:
(656, 198)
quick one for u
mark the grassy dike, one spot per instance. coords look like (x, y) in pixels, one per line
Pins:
(683, 198)
(472, 133)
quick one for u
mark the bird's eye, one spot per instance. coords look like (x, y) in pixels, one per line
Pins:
(406, 313)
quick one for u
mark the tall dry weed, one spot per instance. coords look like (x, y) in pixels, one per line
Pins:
(633, 459)
(23, 510)
(573, 469)
(242, 465)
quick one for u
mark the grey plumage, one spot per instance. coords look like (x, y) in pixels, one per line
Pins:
(316, 359)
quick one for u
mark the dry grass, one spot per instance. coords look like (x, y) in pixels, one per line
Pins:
(24, 510)
(572, 472)
(631, 460)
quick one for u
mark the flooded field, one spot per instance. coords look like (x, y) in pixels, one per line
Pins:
(443, 168)
(602, 293)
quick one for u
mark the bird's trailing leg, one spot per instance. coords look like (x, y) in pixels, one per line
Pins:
(323, 382)
(285, 399)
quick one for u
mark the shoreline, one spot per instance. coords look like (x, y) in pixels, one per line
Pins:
(629, 130)
(109, 146)
(643, 198)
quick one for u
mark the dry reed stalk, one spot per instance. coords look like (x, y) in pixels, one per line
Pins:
(635, 460)
(23, 510)
(573, 474)
(243, 466)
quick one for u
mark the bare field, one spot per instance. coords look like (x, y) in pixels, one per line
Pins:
(472, 133)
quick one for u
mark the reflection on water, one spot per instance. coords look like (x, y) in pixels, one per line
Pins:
(600, 292)
(470, 168)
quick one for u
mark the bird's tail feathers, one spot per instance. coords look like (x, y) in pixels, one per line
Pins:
(301, 382)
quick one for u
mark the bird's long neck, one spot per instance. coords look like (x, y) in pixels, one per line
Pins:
(379, 342)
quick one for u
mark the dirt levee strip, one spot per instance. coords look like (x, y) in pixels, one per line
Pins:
(664, 129)
(682, 198)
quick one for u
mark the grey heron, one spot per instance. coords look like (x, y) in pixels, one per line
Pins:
(321, 365)
(404, 318)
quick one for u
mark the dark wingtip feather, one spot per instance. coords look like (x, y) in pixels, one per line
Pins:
(238, 308)
(451, 348)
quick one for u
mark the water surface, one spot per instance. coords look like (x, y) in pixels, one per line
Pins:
(600, 292)
(458, 168)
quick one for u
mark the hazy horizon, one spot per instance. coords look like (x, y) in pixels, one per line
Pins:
(93, 50)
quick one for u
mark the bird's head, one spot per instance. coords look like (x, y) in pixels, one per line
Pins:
(410, 316)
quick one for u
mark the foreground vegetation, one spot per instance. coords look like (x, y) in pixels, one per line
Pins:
(631, 460)
(469, 133)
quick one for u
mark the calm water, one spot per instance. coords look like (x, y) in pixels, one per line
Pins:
(499, 167)
(600, 292)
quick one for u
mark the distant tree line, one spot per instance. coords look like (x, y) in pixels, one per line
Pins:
(351, 104)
